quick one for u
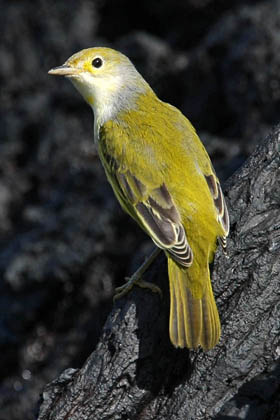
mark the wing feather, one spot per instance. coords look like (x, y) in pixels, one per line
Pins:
(220, 205)
(159, 215)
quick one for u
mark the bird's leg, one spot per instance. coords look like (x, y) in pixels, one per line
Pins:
(136, 278)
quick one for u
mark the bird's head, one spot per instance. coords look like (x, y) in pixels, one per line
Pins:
(106, 79)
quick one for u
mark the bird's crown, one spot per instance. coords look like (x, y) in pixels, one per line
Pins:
(98, 61)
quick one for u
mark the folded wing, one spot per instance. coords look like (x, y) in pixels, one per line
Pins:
(220, 205)
(159, 215)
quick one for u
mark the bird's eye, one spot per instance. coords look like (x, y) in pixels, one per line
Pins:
(97, 62)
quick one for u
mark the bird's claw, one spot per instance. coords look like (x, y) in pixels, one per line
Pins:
(135, 281)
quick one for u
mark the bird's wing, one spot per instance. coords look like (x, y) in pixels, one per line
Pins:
(220, 205)
(158, 214)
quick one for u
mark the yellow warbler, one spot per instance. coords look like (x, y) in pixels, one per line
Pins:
(163, 177)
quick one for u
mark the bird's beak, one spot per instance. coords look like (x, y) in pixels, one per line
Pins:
(64, 70)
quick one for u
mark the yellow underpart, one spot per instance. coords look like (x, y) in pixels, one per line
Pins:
(172, 154)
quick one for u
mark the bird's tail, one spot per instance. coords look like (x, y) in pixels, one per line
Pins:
(194, 318)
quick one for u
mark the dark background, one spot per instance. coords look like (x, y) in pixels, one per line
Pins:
(64, 241)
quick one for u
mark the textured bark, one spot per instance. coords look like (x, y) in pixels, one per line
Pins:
(135, 373)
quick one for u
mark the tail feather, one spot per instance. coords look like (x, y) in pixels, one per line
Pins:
(191, 315)
(193, 321)
(211, 321)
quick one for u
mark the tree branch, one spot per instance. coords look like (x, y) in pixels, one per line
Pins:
(135, 373)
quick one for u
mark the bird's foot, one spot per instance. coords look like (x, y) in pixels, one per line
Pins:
(136, 279)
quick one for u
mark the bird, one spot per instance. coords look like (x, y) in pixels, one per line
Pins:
(163, 178)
